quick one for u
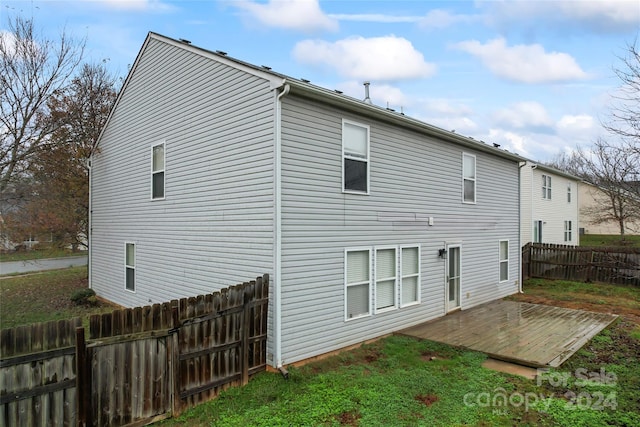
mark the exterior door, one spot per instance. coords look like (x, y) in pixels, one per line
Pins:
(453, 277)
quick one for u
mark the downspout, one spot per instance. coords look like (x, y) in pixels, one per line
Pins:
(89, 247)
(277, 286)
(520, 166)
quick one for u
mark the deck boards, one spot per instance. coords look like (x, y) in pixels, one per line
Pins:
(529, 334)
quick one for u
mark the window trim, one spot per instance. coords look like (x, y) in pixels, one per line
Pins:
(402, 276)
(537, 230)
(163, 170)
(474, 179)
(568, 192)
(500, 261)
(132, 267)
(376, 280)
(346, 284)
(367, 160)
(546, 187)
(568, 231)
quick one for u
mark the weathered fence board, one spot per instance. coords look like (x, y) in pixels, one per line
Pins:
(38, 374)
(138, 365)
(587, 264)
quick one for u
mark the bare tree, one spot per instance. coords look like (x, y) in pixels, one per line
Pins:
(32, 70)
(58, 170)
(610, 167)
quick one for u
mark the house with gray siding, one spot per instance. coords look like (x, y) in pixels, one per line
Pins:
(550, 205)
(211, 171)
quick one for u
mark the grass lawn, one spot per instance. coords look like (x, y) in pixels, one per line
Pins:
(400, 381)
(609, 240)
(45, 296)
(39, 254)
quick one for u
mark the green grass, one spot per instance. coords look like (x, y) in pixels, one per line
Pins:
(39, 254)
(42, 297)
(395, 382)
(609, 240)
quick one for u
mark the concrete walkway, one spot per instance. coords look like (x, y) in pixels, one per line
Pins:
(32, 265)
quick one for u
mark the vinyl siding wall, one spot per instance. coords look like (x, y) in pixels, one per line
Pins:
(554, 212)
(215, 226)
(413, 177)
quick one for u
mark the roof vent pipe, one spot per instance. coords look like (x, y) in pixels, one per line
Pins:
(366, 99)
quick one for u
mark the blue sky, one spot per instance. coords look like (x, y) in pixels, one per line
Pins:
(534, 76)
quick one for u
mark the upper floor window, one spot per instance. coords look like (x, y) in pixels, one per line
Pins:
(569, 193)
(157, 171)
(546, 187)
(355, 157)
(469, 178)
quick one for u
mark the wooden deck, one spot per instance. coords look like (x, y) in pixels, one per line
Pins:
(528, 334)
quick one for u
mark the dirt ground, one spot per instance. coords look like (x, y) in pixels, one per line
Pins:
(628, 313)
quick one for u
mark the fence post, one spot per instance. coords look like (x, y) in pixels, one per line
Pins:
(246, 320)
(174, 360)
(83, 379)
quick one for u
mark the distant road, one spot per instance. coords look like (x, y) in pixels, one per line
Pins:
(29, 266)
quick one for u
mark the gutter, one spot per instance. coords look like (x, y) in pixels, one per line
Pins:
(277, 284)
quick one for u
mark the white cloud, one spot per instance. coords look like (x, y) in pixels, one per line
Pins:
(524, 63)
(596, 15)
(375, 17)
(379, 58)
(299, 15)
(438, 19)
(461, 125)
(380, 94)
(524, 115)
(135, 5)
(510, 141)
(578, 129)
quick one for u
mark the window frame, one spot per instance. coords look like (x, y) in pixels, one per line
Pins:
(568, 231)
(501, 261)
(474, 179)
(128, 267)
(569, 192)
(385, 279)
(347, 284)
(345, 156)
(163, 170)
(537, 231)
(546, 187)
(402, 276)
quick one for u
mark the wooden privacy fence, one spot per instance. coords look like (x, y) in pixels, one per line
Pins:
(587, 264)
(138, 365)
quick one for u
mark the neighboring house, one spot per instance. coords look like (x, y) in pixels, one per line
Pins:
(549, 205)
(591, 198)
(211, 171)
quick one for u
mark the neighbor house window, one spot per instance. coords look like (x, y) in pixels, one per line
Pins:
(386, 274)
(409, 275)
(568, 231)
(357, 283)
(130, 266)
(546, 187)
(469, 178)
(355, 157)
(537, 231)
(157, 171)
(569, 193)
(504, 260)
